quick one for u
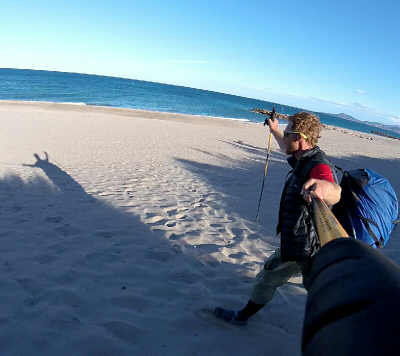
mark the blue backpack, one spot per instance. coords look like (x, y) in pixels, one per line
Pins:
(368, 209)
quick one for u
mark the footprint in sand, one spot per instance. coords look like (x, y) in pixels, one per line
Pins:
(116, 250)
(177, 249)
(156, 219)
(216, 225)
(184, 276)
(253, 237)
(181, 216)
(198, 205)
(105, 234)
(123, 330)
(170, 210)
(237, 255)
(175, 237)
(54, 219)
(237, 231)
(67, 230)
(159, 256)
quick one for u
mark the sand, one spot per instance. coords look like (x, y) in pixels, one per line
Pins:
(140, 223)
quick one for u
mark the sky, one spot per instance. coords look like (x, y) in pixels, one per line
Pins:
(329, 56)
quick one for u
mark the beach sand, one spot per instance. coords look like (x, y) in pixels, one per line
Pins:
(140, 223)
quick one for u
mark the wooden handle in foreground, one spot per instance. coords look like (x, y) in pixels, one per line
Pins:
(328, 227)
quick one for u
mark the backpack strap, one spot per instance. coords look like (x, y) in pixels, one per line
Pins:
(345, 184)
(339, 169)
(378, 243)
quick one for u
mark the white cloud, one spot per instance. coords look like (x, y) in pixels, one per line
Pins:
(367, 109)
(326, 101)
(265, 89)
(355, 105)
(184, 62)
(359, 91)
(362, 106)
(394, 119)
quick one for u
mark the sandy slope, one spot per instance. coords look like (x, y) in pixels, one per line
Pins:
(139, 224)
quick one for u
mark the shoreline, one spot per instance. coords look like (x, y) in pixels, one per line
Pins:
(127, 112)
(81, 107)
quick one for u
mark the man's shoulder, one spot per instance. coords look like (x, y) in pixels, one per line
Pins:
(317, 157)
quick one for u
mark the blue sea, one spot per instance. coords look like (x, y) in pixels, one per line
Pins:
(58, 87)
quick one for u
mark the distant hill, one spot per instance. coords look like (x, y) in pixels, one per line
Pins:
(395, 128)
(346, 117)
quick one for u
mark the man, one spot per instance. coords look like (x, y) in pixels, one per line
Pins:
(311, 171)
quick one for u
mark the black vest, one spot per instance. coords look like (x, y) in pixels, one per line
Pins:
(299, 239)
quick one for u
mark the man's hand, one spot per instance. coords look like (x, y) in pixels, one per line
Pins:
(273, 127)
(327, 191)
(273, 124)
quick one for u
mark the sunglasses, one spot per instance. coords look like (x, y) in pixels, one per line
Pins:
(287, 133)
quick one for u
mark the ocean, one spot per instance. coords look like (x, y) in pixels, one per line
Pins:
(85, 89)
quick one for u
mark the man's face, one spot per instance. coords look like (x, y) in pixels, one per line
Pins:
(291, 141)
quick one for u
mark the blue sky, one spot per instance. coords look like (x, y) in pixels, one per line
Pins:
(332, 56)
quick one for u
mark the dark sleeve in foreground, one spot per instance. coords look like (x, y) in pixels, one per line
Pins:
(353, 305)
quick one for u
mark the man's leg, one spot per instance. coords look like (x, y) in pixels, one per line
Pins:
(274, 273)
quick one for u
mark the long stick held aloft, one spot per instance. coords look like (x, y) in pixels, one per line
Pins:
(272, 118)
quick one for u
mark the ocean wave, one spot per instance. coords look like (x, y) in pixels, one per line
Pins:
(71, 103)
(222, 118)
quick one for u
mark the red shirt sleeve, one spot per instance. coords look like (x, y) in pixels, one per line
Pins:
(322, 171)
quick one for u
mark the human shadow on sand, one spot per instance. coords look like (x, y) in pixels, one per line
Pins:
(58, 177)
(72, 263)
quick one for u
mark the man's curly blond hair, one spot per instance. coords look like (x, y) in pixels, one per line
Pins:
(308, 124)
